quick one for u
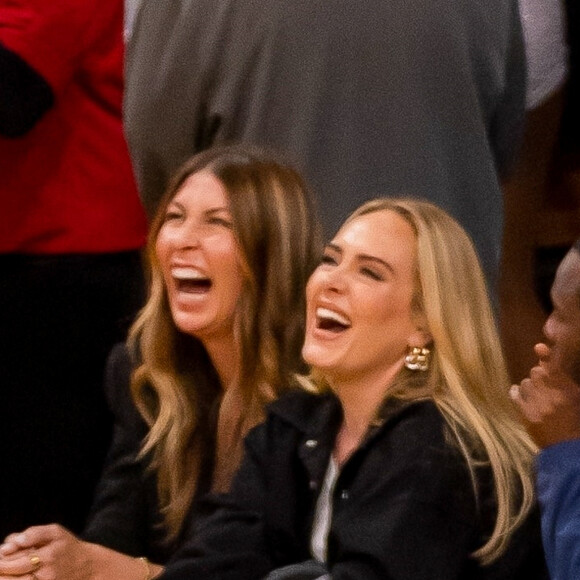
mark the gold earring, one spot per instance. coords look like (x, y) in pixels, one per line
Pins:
(417, 358)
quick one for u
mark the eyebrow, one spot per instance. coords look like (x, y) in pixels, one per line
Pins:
(217, 210)
(174, 202)
(209, 211)
(363, 257)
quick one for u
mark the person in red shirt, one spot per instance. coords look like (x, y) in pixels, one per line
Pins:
(71, 230)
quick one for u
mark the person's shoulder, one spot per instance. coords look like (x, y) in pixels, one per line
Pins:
(120, 364)
(416, 427)
(422, 414)
(121, 355)
(560, 456)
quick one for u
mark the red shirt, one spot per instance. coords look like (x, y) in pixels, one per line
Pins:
(67, 186)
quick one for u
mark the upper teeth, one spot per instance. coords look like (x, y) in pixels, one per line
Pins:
(185, 273)
(332, 315)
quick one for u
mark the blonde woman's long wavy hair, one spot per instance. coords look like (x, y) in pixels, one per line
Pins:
(175, 386)
(467, 378)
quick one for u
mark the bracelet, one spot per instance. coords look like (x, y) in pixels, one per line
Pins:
(148, 575)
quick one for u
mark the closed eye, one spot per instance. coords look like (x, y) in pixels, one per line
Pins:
(172, 214)
(326, 259)
(219, 221)
(372, 274)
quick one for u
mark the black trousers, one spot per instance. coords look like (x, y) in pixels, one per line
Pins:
(59, 317)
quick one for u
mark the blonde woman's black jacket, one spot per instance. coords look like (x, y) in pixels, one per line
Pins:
(404, 505)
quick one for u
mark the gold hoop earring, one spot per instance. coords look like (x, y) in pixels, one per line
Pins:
(418, 359)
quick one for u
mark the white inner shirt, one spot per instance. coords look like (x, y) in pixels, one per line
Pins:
(323, 513)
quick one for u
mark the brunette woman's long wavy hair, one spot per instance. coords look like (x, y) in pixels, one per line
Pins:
(174, 385)
(467, 377)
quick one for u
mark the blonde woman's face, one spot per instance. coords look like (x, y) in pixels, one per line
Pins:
(200, 259)
(359, 319)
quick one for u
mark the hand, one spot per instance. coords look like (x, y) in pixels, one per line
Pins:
(549, 402)
(45, 553)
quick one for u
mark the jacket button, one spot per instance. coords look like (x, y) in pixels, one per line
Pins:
(313, 485)
(344, 494)
(311, 443)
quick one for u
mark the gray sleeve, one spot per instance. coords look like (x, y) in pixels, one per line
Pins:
(167, 83)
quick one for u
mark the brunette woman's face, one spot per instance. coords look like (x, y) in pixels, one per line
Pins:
(200, 258)
(359, 318)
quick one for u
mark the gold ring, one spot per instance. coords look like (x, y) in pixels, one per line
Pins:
(35, 562)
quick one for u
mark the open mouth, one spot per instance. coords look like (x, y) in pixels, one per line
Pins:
(332, 321)
(191, 280)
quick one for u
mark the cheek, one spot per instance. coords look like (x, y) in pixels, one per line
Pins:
(575, 369)
(548, 328)
(162, 248)
(392, 308)
(223, 250)
(313, 287)
(233, 275)
(573, 341)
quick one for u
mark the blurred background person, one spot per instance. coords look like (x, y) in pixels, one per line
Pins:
(368, 97)
(530, 200)
(131, 10)
(402, 457)
(71, 230)
(550, 403)
(230, 251)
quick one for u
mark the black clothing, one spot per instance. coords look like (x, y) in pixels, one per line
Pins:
(403, 505)
(25, 96)
(59, 318)
(125, 515)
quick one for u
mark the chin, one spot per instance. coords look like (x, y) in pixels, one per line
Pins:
(313, 359)
(193, 328)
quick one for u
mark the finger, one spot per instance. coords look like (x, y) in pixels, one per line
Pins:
(525, 387)
(11, 537)
(36, 536)
(542, 351)
(15, 555)
(525, 398)
(8, 548)
(10, 545)
(517, 396)
(23, 565)
(537, 376)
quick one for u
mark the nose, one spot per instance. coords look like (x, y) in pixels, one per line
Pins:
(335, 280)
(188, 235)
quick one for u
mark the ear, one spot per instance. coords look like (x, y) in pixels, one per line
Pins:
(421, 336)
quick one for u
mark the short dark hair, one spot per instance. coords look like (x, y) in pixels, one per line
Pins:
(576, 245)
